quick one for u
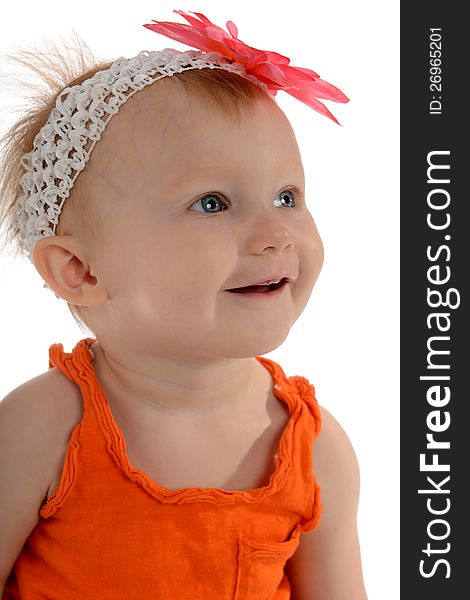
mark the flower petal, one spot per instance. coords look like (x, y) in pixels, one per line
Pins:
(232, 28)
(313, 103)
(268, 67)
(270, 74)
(215, 33)
(201, 23)
(302, 79)
(183, 33)
(244, 54)
(325, 90)
(277, 58)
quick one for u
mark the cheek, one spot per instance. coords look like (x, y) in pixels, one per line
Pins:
(191, 266)
(310, 249)
(318, 255)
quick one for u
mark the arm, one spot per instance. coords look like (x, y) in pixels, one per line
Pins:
(327, 563)
(31, 448)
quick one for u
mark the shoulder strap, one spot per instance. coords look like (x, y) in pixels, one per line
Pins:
(67, 361)
(297, 390)
(306, 392)
(303, 491)
(75, 365)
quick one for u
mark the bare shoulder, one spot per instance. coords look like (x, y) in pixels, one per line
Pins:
(36, 420)
(43, 409)
(336, 468)
(327, 563)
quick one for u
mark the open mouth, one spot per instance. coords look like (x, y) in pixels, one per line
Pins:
(260, 289)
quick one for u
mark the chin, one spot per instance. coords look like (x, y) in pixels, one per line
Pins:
(249, 346)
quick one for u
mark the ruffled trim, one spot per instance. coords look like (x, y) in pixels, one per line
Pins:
(316, 512)
(67, 478)
(57, 358)
(307, 392)
(80, 360)
(117, 448)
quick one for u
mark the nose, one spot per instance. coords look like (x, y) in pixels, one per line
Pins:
(269, 235)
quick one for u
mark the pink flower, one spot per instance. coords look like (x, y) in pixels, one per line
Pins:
(271, 68)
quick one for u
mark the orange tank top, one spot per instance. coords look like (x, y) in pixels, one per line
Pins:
(109, 532)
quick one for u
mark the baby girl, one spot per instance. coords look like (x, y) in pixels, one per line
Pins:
(164, 457)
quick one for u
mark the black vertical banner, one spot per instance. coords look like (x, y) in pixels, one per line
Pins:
(435, 316)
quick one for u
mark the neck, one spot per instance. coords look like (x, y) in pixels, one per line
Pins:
(174, 387)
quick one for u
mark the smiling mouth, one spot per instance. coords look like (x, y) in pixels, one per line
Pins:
(260, 289)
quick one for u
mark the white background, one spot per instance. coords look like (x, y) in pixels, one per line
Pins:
(346, 341)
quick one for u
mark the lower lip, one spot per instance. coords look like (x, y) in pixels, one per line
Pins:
(270, 294)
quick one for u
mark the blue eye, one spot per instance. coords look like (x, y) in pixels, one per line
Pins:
(284, 199)
(210, 202)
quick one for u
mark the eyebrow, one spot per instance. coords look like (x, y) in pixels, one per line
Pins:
(192, 176)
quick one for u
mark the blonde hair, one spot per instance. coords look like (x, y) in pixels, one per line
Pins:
(67, 65)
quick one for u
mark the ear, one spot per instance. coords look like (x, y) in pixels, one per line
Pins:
(61, 262)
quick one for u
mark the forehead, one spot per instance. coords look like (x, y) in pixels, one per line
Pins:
(165, 140)
(165, 132)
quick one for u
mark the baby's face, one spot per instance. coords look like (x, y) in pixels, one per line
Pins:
(191, 204)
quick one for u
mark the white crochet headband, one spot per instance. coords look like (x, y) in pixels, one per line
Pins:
(80, 115)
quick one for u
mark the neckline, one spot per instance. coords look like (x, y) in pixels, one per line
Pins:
(282, 390)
